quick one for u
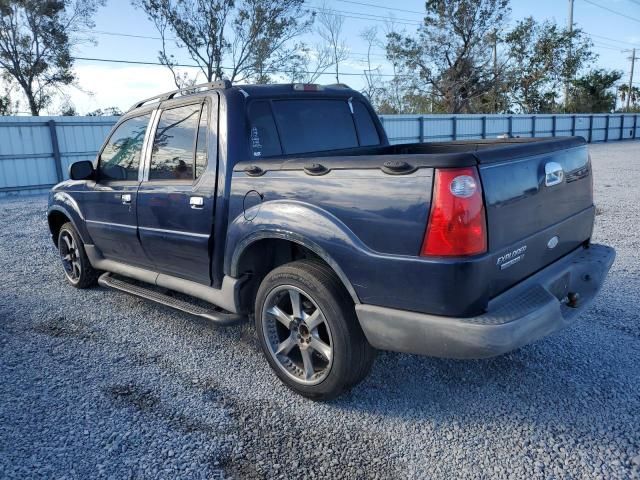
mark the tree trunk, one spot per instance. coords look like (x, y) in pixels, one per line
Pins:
(33, 105)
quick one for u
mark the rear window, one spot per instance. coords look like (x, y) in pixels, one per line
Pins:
(300, 126)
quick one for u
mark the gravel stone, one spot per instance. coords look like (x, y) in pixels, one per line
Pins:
(99, 384)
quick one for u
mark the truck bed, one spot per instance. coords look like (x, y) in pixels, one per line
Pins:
(383, 196)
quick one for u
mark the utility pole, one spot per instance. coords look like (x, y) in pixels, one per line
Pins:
(495, 71)
(570, 27)
(633, 61)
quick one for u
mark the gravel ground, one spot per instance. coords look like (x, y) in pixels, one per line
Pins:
(100, 384)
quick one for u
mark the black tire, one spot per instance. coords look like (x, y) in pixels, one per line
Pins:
(318, 288)
(77, 270)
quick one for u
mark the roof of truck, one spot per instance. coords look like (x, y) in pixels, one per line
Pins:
(248, 90)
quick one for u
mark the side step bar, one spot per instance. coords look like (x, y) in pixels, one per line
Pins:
(217, 317)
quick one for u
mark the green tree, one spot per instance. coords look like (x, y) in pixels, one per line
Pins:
(36, 37)
(451, 57)
(107, 112)
(594, 92)
(542, 57)
(251, 35)
(8, 105)
(634, 100)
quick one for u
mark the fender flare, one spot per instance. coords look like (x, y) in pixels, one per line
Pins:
(296, 222)
(64, 203)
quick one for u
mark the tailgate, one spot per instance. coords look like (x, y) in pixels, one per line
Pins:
(534, 218)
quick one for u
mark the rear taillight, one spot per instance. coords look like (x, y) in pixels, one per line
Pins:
(457, 224)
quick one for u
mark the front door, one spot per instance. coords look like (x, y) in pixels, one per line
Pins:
(177, 197)
(110, 205)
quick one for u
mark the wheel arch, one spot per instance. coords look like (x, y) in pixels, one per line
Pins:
(280, 248)
(62, 209)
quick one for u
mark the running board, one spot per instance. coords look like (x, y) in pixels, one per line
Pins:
(217, 317)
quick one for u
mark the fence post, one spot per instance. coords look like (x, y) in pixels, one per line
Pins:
(553, 125)
(533, 126)
(590, 128)
(606, 129)
(484, 127)
(573, 125)
(510, 126)
(455, 128)
(421, 120)
(621, 127)
(635, 124)
(56, 149)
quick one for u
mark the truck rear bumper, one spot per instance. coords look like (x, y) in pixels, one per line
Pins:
(527, 312)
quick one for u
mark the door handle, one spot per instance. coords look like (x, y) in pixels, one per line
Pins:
(126, 198)
(196, 202)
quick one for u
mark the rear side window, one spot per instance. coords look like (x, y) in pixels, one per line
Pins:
(201, 142)
(172, 157)
(366, 129)
(120, 158)
(314, 125)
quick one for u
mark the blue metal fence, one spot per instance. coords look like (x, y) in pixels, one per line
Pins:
(437, 128)
(35, 152)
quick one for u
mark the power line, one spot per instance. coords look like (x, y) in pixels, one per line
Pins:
(624, 15)
(609, 38)
(394, 9)
(150, 37)
(606, 47)
(359, 16)
(189, 65)
(122, 34)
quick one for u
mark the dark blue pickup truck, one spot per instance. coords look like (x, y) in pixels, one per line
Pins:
(286, 203)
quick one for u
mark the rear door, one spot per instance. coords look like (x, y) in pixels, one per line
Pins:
(176, 199)
(110, 204)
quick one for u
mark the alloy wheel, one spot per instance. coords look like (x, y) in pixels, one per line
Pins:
(70, 256)
(297, 334)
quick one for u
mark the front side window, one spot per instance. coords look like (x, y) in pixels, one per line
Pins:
(173, 145)
(120, 158)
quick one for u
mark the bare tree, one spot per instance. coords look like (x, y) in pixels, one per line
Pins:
(372, 75)
(330, 30)
(252, 35)
(307, 64)
(36, 37)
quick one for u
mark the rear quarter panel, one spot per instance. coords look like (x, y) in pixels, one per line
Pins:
(388, 214)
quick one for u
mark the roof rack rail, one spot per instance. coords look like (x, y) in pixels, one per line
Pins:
(218, 84)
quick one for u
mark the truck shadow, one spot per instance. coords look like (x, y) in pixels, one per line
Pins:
(573, 381)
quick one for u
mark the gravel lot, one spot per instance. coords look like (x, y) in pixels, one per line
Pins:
(100, 384)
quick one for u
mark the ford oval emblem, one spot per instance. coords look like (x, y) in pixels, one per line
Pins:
(553, 242)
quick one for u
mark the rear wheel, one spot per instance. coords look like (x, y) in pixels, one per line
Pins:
(77, 269)
(308, 330)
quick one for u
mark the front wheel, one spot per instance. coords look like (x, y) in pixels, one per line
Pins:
(77, 269)
(308, 330)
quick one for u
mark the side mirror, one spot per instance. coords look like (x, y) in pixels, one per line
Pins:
(82, 170)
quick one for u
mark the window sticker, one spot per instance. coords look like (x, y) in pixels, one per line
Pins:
(255, 142)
